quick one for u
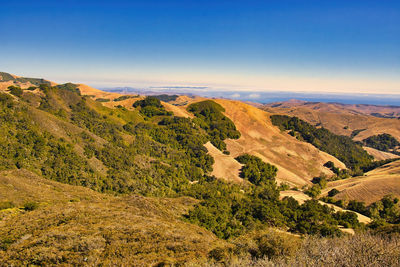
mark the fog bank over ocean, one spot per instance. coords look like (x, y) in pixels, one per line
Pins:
(266, 97)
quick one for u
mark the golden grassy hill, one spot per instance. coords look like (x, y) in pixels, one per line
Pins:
(77, 226)
(343, 119)
(371, 187)
(297, 162)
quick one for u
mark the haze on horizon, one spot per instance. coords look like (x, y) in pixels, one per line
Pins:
(318, 46)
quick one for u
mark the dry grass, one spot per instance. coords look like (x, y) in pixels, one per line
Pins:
(360, 250)
(77, 226)
(343, 119)
(372, 187)
(225, 166)
(379, 155)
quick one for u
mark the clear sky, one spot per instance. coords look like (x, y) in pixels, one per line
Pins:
(325, 46)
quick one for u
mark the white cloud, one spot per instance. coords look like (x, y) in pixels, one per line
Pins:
(254, 95)
(235, 95)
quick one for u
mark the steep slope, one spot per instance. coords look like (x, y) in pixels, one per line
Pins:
(297, 162)
(225, 166)
(371, 187)
(343, 119)
(77, 226)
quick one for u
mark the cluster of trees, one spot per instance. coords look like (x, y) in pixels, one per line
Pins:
(255, 170)
(340, 173)
(166, 98)
(123, 97)
(209, 116)
(341, 147)
(383, 142)
(15, 90)
(151, 106)
(230, 210)
(24, 145)
(383, 212)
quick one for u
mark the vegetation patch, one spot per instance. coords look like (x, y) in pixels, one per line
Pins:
(383, 142)
(341, 147)
(150, 107)
(209, 116)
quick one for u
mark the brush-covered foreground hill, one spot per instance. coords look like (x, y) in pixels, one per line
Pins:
(342, 119)
(50, 223)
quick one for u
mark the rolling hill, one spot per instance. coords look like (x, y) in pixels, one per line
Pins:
(297, 162)
(343, 119)
(371, 187)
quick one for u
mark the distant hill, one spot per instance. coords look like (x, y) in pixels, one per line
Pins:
(7, 79)
(358, 121)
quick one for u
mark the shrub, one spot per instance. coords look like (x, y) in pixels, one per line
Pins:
(209, 116)
(333, 192)
(313, 191)
(17, 91)
(30, 206)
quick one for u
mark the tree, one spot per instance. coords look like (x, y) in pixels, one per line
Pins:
(17, 91)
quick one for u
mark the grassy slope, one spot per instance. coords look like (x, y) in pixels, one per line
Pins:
(76, 225)
(297, 162)
(370, 187)
(341, 119)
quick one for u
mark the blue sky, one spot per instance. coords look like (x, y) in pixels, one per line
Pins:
(320, 46)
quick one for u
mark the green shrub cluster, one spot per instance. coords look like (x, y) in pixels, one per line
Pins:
(123, 97)
(255, 170)
(383, 142)
(151, 106)
(15, 90)
(209, 116)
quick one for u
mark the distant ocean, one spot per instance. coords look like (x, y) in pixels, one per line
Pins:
(268, 97)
